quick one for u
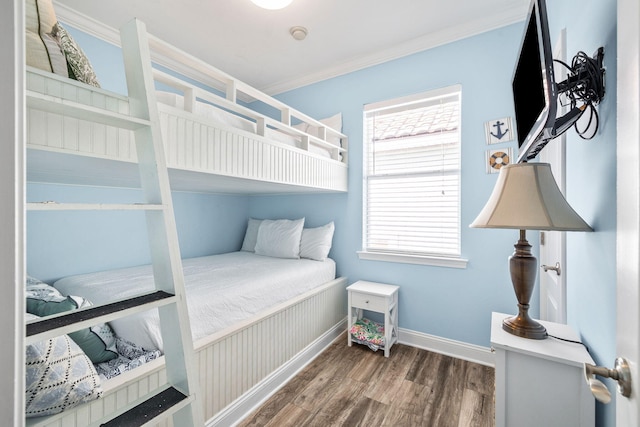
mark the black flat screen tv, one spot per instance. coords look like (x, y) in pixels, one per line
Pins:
(533, 84)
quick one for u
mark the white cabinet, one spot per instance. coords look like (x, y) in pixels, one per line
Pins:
(541, 382)
(377, 297)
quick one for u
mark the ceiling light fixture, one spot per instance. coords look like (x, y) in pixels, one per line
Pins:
(272, 4)
(298, 33)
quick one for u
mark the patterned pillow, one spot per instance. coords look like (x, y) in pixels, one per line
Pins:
(130, 356)
(58, 376)
(79, 66)
(98, 342)
(38, 290)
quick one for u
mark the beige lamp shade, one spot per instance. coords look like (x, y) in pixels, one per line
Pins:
(526, 197)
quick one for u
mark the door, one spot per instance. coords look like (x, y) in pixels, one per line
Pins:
(553, 289)
(628, 205)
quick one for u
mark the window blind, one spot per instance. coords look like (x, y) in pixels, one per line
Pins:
(412, 175)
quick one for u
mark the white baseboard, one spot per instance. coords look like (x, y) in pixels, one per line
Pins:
(461, 350)
(257, 395)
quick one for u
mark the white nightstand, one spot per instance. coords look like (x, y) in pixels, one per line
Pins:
(377, 297)
(541, 382)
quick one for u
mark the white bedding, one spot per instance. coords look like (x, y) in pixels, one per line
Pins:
(221, 291)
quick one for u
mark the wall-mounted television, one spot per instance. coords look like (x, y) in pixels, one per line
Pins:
(535, 91)
(533, 84)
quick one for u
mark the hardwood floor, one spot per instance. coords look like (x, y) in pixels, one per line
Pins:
(353, 386)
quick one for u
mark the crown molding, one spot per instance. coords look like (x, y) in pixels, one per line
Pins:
(87, 24)
(481, 25)
(505, 17)
(111, 35)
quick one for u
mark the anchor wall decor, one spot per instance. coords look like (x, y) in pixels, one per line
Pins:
(499, 130)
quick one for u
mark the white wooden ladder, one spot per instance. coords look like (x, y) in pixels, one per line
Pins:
(178, 397)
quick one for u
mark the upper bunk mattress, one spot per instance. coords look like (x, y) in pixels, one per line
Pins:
(221, 291)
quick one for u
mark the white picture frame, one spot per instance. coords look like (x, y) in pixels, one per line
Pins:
(499, 130)
(496, 159)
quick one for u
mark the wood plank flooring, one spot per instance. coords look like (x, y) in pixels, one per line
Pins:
(353, 386)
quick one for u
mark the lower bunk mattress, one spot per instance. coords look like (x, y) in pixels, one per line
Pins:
(222, 290)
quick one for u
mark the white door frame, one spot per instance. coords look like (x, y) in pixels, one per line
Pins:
(553, 246)
(12, 263)
(628, 205)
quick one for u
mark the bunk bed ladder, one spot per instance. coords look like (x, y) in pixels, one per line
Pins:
(178, 397)
(163, 242)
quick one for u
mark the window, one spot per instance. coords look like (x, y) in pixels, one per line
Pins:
(412, 178)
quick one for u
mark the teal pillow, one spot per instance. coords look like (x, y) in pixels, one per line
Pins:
(42, 308)
(98, 342)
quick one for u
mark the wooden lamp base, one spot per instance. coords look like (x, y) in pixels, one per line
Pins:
(523, 267)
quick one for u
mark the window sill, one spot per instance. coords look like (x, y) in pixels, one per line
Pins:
(414, 259)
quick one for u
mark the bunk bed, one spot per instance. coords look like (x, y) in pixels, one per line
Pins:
(241, 362)
(216, 139)
(81, 134)
(262, 155)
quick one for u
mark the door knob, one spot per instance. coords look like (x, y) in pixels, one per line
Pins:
(555, 268)
(620, 373)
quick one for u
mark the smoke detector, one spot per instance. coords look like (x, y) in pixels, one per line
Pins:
(298, 33)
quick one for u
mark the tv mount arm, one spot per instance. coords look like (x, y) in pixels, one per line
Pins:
(584, 88)
(586, 76)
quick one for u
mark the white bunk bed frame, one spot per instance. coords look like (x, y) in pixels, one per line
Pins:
(202, 155)
(240, 366)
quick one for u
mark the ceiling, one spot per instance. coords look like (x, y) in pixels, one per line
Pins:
(254, 44)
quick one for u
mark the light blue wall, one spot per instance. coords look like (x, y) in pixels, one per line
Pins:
(446, 302)
(64, 243)
(591, 190)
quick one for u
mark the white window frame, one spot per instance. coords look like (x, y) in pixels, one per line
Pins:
(441, 260)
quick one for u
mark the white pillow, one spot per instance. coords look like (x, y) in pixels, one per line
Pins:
(251, 235)
(316, 242)
(280, 238)
(334, 122)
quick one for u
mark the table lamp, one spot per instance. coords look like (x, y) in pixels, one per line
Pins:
(526, 197)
